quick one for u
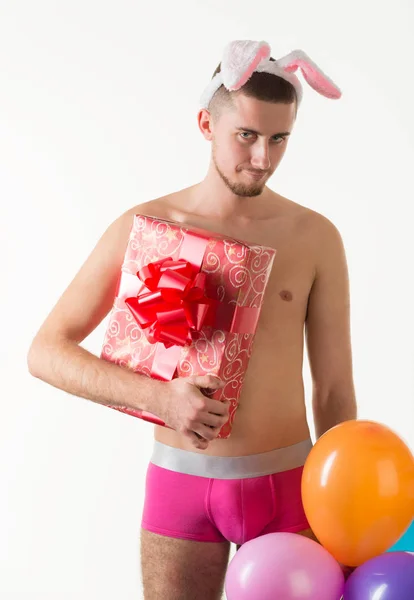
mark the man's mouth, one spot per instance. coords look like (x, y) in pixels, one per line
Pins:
(255, 174)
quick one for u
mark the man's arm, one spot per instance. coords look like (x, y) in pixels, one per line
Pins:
(55, 355)
(328, 335)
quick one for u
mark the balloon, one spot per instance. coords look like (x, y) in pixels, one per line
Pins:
(358, 490)
(385, 577)
(288, 566)
(406, 542)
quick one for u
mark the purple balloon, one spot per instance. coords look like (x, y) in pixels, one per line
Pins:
(284, 566)
(388, 576)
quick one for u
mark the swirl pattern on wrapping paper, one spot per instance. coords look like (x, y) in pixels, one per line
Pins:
(209, 348)
(143, 353)
(232, 349)
(125, 341)
(238, 275)
(130, 266)
(235, 361)
(107, 349)
(260, 258)
(233, 371)
(113, 328)
(155, 240)
(131, 326)
(123, 362)
(211, 262)
(209, 338)
(133, 244)
(160, 228)
(204, 351)
(161, 244)
(253, 294)
(143, 369)
(218, 336)
(221, 292)
(186, 368)
(234, 355)
(140, 224)
(234, 252)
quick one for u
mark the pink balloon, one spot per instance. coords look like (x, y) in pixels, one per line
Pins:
(285, 566)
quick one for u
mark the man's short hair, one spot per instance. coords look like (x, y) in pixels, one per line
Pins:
(262, 86)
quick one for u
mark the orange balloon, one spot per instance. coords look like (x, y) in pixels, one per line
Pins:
(358, 490)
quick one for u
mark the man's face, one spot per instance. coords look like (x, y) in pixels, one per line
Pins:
(249, 141)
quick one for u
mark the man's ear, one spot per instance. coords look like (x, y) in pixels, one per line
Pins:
(205, 123)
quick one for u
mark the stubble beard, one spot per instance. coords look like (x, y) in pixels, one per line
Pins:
(239, 189)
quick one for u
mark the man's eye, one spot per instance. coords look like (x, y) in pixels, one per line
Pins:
(245, 136)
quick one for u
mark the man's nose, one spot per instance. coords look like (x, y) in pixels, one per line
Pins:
(260, 157)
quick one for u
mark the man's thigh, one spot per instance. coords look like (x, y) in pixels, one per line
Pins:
(177, 569)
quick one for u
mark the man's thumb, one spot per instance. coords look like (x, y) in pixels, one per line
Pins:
(208, 381)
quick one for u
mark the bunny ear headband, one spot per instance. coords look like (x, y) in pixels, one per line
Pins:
(242, 58)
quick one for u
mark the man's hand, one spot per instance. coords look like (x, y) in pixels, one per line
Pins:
(185, 408)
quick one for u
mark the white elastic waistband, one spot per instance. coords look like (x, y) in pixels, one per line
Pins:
(231, 467)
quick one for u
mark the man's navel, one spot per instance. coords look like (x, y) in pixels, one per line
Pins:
(286, 295)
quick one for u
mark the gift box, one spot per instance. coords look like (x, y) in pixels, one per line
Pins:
(187, 303)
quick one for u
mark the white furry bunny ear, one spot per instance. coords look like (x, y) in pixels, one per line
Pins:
(240, 60)
(316, 78)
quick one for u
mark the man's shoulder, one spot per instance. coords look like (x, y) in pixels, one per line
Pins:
(157, 207)
(323, 235)
(314, 231)
(162, 207)
(315, 222)
(308, 218)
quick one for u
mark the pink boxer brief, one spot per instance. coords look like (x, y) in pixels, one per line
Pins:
(204, 498)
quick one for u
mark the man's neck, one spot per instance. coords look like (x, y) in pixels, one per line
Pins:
(205, 202)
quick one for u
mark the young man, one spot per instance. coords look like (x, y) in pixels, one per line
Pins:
(202, 493)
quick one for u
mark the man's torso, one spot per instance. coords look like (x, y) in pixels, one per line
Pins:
(271, 411)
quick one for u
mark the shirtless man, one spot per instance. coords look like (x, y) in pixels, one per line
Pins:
(199, 497)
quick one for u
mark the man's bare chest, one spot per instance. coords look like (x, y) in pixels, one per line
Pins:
(293, 268)
(287, 293)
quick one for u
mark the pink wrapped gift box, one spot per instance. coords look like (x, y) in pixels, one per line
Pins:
(187, 303)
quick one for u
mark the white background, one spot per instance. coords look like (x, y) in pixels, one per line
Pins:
(98, 106)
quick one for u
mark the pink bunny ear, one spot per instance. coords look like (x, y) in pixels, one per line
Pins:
(315, 77)
(240, 59)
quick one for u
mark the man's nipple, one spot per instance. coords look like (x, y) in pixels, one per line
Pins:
(286, 295)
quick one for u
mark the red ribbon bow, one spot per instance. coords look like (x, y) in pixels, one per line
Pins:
(176, 307)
